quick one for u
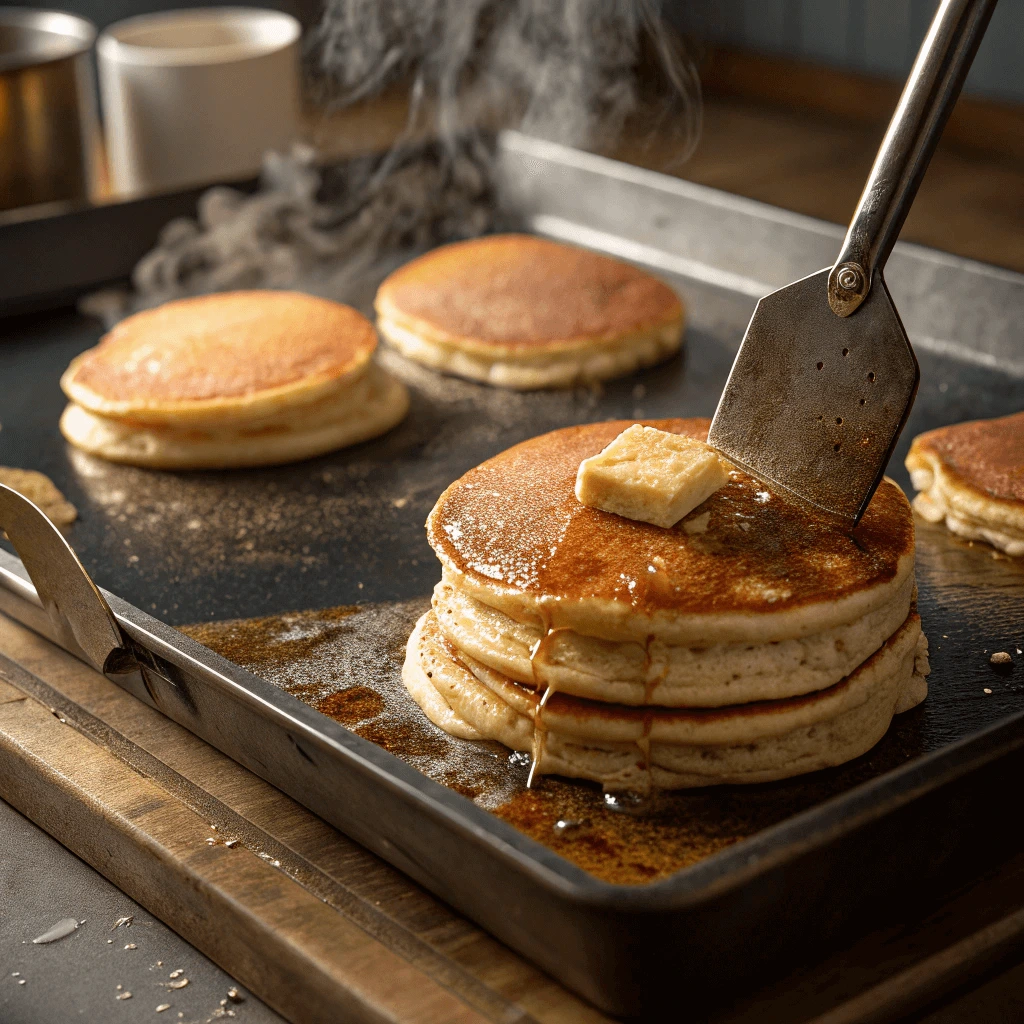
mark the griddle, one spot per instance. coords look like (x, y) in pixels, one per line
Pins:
(807, 862)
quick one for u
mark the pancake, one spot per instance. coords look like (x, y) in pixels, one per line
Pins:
(522, 312)
(233, 356)
(511, 534)
(656, 672)
(371, 405)
(754, 640)
(235, 379)
(971, 477)
(635, 749)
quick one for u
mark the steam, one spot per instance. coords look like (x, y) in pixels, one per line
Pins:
(579, 72)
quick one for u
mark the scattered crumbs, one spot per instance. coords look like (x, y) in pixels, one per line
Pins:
(210, 841)
(987, 690)
(41, 491)
(131, 945)
(123, 922)
(235, 996)
(231, 843)
(162, 1007)
(400, 502)
(159, 963)
(1019, 651)
(119, 987)
(1000, 658)
(179, 983)
(214, 827)
(124, 995)
(21, 981)
(177, 973)
(110, 942)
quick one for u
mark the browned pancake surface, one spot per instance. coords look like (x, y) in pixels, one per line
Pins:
(225, 346)
(523, 291)
(514, 521)
(987, 455)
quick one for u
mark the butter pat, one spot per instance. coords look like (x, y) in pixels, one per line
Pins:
(650, 475)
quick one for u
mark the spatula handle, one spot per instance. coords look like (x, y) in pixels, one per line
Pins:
(928, 97)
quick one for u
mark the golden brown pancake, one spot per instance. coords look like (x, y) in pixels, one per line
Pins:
(235, 379)
(512, 534)
(524, 312)
(232, 355)
(971, 476)
(754, 640)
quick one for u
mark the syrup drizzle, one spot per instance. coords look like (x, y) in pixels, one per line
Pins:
(538, 653)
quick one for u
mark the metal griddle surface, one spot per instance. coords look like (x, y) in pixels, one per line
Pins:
(347, 528)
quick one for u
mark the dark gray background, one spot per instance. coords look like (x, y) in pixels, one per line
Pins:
(76, 978)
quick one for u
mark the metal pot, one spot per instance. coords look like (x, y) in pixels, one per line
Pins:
(47, 107)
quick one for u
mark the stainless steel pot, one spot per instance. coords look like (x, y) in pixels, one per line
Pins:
(47, 107)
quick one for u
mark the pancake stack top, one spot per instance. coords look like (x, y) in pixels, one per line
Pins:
(753, 641)
(235, 379)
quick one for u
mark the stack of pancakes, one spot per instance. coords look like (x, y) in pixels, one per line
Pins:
(523, 312)
(971, 476)
(753, 641)
(237, 379)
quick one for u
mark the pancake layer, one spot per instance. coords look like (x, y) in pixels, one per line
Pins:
(639, 749)
(971, 476)
(522, 312)
(754, 640)
(511, 534)
(232, 356)
(236, 379)
(365, 408)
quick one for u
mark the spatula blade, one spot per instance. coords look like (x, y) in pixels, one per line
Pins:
(815, 402)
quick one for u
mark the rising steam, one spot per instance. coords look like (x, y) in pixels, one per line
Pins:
(580, 72)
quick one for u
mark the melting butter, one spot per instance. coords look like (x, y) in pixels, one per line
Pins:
(651, 476)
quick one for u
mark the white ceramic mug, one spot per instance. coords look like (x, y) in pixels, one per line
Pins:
(197, 96)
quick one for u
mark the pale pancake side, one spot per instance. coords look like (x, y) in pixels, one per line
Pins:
(528, 369)
(370, 407)
(658, 673)
(511, 534)
(971, 476)
(215, 358)
(625, 748)
(503, 295)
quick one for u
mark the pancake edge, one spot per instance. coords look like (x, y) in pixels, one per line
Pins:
(519, 368)
(150, 448)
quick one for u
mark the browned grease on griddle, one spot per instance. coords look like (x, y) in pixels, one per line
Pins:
(347, 662)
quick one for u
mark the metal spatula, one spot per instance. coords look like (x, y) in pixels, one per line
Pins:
(825, 378)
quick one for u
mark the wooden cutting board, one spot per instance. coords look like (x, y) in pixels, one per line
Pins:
(321, 929)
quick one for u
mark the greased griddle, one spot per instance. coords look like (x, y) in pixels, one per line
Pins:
(768, 874)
